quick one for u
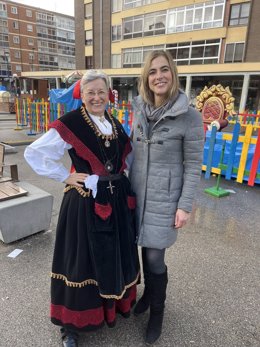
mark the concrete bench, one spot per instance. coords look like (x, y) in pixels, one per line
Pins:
(13, 167)
(25, 215)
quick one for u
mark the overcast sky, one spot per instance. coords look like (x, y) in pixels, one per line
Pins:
(62, 6)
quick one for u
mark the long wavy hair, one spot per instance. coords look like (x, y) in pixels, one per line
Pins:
(143, 86)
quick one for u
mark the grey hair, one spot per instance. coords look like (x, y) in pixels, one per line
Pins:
(92, 75)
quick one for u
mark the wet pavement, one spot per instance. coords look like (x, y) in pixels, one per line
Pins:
(213, 293)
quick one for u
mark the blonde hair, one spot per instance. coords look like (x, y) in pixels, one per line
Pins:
(92, 75)
(143, 87)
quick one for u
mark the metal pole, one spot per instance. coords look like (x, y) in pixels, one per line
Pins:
(6, 54)
(101, 35)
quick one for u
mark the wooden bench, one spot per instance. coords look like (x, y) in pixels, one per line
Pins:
(8, 189)
(24, 208)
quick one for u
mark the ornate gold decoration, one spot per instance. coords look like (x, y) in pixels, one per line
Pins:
(73, 284)
(98, 133)
(93, 282)
(81, 191)
(219, 91)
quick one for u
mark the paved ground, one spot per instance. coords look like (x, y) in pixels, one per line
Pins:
(213, 293)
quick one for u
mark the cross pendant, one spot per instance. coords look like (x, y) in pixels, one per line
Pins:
(110, 187)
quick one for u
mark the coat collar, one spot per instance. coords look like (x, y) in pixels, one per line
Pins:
(180, 106)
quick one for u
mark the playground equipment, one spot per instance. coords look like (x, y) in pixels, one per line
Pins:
(215, 104)
(241, 154)
(216, 190)
(241, 148)
(37, 114)
(246, 118)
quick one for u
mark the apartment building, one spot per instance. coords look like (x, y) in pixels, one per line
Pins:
(211, 42)
(33, 39)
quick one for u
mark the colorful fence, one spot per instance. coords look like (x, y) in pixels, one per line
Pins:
(241, 154)
(246, 118)
(123, 111)
(37, 115)
(241, 151)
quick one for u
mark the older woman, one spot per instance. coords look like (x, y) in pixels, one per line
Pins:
(168, 146)
(95, 265)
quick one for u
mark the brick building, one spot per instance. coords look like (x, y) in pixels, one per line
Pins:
(33, 39)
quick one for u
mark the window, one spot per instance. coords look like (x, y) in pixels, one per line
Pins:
(196, 52)
(18, 68)
(66, 63)
(116, 32)
(17, 54)
(3, 23)
(28, 13)
(66, 49)
(147, 2)
(137, 27)
(4, 39)
(14, 10)
(135, 3)
(30, 41)
(134, 57)
(88, 11)
(49, 60)
(16, 39)
(144, 25)
(194, 17)
(45, 18)
(63, 35)
(239, 14)
(132, 3)
(234, 52)
(116, 5)
(2, 7)
(65, 23)
(89, 62)
(116, 61)
(88, 38)
(29, 27)
(31, 57)
(154, 24)
(15, 25)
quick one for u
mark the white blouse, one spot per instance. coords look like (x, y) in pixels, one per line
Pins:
(104, 126)
(44, 155)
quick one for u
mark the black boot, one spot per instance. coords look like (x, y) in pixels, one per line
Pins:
(144, 302)
(69, 338)
(158, 285)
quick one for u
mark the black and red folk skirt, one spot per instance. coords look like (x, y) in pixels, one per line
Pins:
(95, 265)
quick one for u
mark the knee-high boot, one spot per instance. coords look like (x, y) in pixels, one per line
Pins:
(144, 302)
(158, 285)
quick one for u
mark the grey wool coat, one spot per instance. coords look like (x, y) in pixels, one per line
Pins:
(166, 169)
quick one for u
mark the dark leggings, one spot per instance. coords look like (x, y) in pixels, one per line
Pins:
(153, 260)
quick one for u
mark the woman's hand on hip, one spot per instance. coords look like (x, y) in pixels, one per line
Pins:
(181, 218)
(76, 179)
